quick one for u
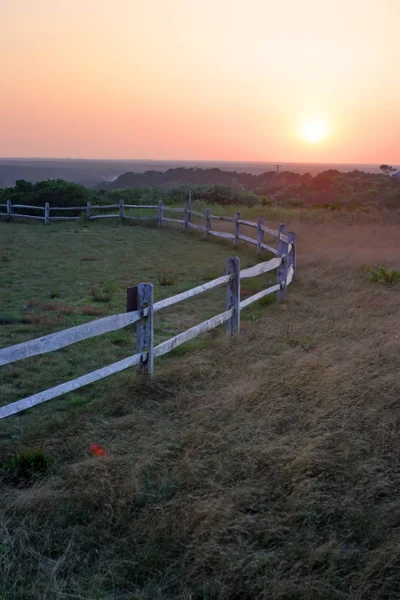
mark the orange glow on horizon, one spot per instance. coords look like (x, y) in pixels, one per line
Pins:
(184, 79)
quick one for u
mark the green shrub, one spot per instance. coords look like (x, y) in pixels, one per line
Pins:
(25, 466)
(384, 275)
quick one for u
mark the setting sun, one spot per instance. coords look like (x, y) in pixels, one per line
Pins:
(314, 130)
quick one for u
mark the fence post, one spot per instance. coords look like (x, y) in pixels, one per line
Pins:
(186, 216)
(160, 213)
(282, 269)
(9, 210)
(46, 213)
(140, 297)
(208, 221)
(121, 209)
(292, 254)
(237, 228)
(260, 234)
(233, 295)
(88, 209)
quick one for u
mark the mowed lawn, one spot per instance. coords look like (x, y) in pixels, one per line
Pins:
(264, 467)
(59, 276)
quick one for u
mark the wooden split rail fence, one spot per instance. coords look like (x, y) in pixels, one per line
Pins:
(141, 309)
(48, 217)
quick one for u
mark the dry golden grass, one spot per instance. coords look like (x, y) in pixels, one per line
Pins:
(265, 468)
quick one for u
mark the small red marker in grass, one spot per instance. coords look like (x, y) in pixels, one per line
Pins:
(97, 450)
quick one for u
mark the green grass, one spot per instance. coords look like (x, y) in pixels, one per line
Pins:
(263, 467)
(49, 284)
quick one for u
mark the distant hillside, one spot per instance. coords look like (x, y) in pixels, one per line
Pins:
(92, 172)
(329, 187)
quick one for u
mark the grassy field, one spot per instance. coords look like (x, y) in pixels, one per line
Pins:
(264, 468)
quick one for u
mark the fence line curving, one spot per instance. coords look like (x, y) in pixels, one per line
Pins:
(141, 308)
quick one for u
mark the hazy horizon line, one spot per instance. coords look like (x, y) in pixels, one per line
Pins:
(187, 160)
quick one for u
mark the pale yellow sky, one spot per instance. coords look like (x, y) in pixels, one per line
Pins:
(200, 79)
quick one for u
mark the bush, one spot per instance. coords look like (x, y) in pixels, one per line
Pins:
(55, 191)
(384, 275)
(25, 466)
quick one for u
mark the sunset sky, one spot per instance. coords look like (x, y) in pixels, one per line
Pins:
(286, 80)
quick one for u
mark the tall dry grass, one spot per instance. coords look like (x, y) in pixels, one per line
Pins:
(265, 468)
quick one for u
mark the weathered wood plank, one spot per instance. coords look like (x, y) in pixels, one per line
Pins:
(186, 216)
(261, 268)
(64, 208)
(195, 226)
(245, 238)
(69, 386)
(160, 213)
(174, 209)
(233, 295)
(222, 234)
(101, 206)
(198, 214)
(144, 329)
(292, 251)
(113, 216)
(270, 248)
(260, 234)
(21, 216)
(219, 218)
(208, 221)
(248, 223)
(42, 208)
(64, 218)
(161, 304)
(282, 269)
(141, 205)
(191, 333)
(259, 295)
(273, 232)
(61, 339)
(237, 228)
(290, 275)
(136, 218)
(173, 220)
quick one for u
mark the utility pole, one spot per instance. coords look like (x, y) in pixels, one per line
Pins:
(278, 167)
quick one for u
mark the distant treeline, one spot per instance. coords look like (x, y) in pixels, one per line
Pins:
(329, 189)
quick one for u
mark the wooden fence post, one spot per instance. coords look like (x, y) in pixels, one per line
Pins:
(160, 213)
(260, 234)
(9, 210)
(208, 221)
(186, 216)
(140, 297)
(121, 209)
(237, 228)
(46, 213)
(292, 255)
(233, 295)
(88, 209)
(282, 269)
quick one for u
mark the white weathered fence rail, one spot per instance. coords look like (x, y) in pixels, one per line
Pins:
(88, 212)
(140, 310)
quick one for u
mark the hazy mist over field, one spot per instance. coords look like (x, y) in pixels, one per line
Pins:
(94, 171)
